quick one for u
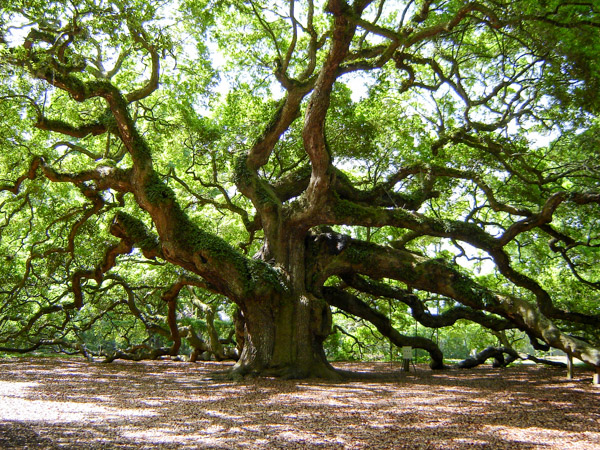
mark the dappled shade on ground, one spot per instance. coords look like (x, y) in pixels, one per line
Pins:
(60, 402)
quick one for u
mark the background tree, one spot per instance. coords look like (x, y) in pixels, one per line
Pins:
(162, 159)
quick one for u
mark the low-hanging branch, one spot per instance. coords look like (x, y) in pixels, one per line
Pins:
(353, 305)
(419, 311)
(436, 276)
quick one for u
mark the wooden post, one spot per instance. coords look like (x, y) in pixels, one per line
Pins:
(406, 357)
(569, 367)
(597, 377)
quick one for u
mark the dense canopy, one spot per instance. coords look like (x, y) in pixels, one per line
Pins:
(217, 177)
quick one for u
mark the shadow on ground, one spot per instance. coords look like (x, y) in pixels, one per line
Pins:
(51, 403)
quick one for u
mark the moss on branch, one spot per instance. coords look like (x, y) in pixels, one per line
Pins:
(241, 172)
(157, 190)
(218, 253)
(136, 232)
(260, 192)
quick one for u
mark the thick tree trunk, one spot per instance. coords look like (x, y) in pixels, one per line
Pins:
(284, 338)
(284, 330)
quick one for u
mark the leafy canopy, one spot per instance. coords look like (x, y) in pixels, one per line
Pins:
(163, 162)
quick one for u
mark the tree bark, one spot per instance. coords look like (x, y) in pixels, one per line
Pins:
(284, 337)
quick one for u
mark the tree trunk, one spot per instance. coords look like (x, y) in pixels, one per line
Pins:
(284, 330)
(285, 338)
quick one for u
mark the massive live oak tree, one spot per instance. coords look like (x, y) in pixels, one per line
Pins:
(291, 157)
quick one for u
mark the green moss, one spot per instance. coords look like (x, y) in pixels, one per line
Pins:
(471, 292)
(442, 227)
(343, 209)
(57, 124)
(466, 231)
(410, 276)
(265, 195)
(404, 216)
(156, 190)
(137, 231)
(303, 173)
(99, 87)
(73, 83)
(108, 120)
(253, 272)
(356, 255)
(241, 174)
(141, 148)
(260, 272)
(191, 236)
(278, 111)
(244, 177)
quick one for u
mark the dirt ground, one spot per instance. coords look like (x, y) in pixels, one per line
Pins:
(71, 403)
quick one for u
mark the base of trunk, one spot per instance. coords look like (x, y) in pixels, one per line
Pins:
(285, 340)
(290, 372)
(288, 359)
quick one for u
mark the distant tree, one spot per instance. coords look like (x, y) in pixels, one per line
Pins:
(161, 159)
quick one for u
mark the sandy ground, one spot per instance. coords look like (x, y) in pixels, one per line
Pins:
(71, 403)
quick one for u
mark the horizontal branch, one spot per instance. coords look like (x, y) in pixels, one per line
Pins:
(342, 256)
(62, 127)
(418, 310)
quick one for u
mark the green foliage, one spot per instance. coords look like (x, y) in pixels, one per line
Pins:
(476, 119)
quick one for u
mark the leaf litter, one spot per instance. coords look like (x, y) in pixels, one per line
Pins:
(67, 402)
